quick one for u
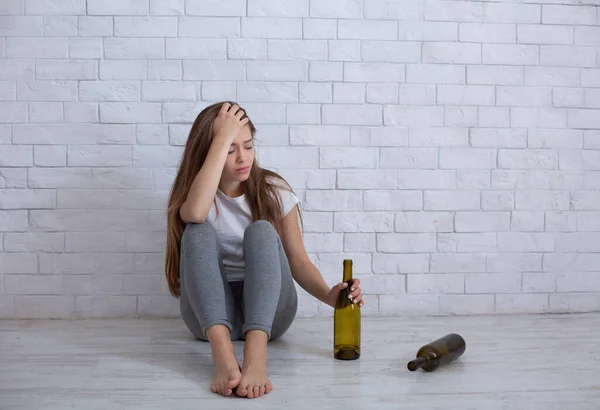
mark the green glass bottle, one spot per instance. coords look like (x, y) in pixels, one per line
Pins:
(438, 353)
(346, 321)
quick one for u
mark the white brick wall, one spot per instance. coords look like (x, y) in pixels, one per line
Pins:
(451, 148)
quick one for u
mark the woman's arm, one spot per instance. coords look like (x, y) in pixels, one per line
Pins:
(227, 126)
(304, 271)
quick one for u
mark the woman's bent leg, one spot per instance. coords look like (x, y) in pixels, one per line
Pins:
(207, 303)
(270, 303)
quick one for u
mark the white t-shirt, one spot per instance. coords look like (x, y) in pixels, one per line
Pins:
(231, 223)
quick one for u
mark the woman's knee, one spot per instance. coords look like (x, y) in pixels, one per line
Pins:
(260, 230)
(196, 232)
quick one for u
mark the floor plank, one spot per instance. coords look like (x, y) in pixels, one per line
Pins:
(511, 362)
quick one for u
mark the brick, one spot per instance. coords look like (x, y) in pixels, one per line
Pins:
(13, 177)
(438, 137)
(109, 91)
(460, 116)
(105, 306)
(271, 28)
(436, 283)
(435, 73)
(90, 155)
(45, 112)
(87, 48)
(538, 283)
(497, 200)
(542, 200)
(415, 222)
(452, 11)
(349, 93)
(322, 135)
(344, 50)
(551, 76)
(427, 31)
(27, 198)
(359, 242)
(206, 27)
(393, 201)
(13, 221)
(151, 27)
(387, 51)
(577, 242)
(416, 94)
(392, 10)
(374, 30)
(498, 138)
(493, 283)
(130, 112)
(404, 158)
(290, 157)
(452, 53)
(16, 156)
(167, 8)
(34, 284)
(528, 117)
(555, 139)
(584, 118)
(59, 178)
(465, 95)
(83, 242)
(123, 70)
(378, 136)
(52, 7)
(59, 26)
(525, 242)
(590, 77)
(585, 200)
(487, 33)
(400, 263)
(340, 9)
(527, 159)
(542, 34)
(351, 157)
(43, 306)
(12, 7)
(481, 221)
(331, 200)
(134, 48)
(351, 114)
(169, 91)
(94, 26)
(47, 91)
(443, 200)
(323, 71)
(510, 54)
(512, 13)
(569, 15)
(17, 70)
(318, 222)
(526, 303)
(34, 242)
(393, 305)
(557, 221)
(164, 70)
(406, 242)
(514, 262)
(567, 56)
(21, 26)
(451, 263)
(330, 262)
(421, 116)
(18, 263)
(467, 158)
(351, 221)
(372, 72)
(495, 75)
(233, 8)
(426, 179)
(330, 242)
(187, 49)
(467, 242)
(366, 179)
(473, 179)
(574, 302)
(118, 7)
(568, 97)
(93, 284)
(13, 112)
(317, 28)
(524, 221)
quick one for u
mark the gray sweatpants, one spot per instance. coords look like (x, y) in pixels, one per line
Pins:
(265, 300)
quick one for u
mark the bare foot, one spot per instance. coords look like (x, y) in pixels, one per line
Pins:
(227, 376)
(255, 382)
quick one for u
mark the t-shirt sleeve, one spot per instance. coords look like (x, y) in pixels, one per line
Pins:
(288, 200)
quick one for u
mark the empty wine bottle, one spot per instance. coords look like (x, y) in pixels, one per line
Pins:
(346, 321)
(438, 353)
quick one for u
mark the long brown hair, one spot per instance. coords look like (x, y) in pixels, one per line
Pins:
(260, 189)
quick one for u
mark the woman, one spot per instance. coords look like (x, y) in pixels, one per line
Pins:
(234, 249)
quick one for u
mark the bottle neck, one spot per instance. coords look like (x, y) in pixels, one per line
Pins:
(347, 270)
(417, 363)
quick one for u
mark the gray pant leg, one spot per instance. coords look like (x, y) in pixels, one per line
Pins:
(270, 299)
(206, 296)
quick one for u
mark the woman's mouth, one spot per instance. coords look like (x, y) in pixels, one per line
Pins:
(242, 170)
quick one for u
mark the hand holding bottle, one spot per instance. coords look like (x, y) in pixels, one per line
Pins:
(229, 123)
(355, 293)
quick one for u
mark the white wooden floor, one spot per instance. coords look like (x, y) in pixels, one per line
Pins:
(511, 362)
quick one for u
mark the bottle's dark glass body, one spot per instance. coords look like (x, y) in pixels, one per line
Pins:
(438, 353)
(346, 321)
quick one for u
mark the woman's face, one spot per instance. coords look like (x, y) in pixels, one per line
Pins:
(240, 157)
